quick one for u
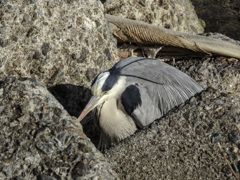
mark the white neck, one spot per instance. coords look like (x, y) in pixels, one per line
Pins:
(114, 122)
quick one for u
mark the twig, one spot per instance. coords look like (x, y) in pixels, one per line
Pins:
(229, 165)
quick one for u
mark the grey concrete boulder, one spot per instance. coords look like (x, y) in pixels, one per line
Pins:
(55, 41)
(39, 139)
(176, 15)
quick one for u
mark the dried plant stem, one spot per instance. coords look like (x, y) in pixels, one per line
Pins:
(229, 165)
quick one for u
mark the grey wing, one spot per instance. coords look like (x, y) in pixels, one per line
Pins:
(150, 96)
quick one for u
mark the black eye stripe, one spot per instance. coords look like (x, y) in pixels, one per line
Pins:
(110, 81)
(98, 77)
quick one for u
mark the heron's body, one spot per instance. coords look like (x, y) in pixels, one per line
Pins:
(135, 92)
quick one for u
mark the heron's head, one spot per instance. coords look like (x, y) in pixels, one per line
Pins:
(105, 86)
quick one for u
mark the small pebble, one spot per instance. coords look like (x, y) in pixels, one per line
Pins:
(10, 7)
(44, 147)
(236, 119)
(108, 54)
(83, 55)
(37, 55)
(25, 19)
(44, 177)
(74, 55)
(35, 171)
(235, 168)
(3, 30)
(65, 122)
(15, 38)
(9, 145)
(45, 23)
(162, 149)
(46, 47)
(238, 164)
(80, 169)
(91, 73)
(207, 108)
(234, 136)
(220, 102)
(33, 1)
(216, 138)
(235, 149)
(56, 30)
(2, 42)
(199, 132)
(196, 123)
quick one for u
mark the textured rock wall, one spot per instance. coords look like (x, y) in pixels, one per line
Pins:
(40, 140)
(64, 41)
(178, 15)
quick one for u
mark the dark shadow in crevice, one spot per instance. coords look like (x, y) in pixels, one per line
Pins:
(74, 98)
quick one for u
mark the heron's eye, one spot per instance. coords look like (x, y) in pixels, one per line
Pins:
(105, 92)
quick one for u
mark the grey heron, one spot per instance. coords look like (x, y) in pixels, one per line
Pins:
(135, 92)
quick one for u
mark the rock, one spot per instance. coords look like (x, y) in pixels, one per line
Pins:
(33, 1)
(162, 149)
(56, 32)
(2, 42)
(81, 169)
(235, 168)
(2, 1)
(3, 30)
(234, 136)
(44, 177)
(216, 137)
(45, 147)
(175, 15)
(44, 142)
(37, 55)
(33, 159)
(26, 19)
(238, 164)
(46, 47)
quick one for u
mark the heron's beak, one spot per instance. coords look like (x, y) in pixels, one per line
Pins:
(92, 103)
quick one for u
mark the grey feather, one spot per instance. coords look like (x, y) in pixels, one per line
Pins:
(161, 87)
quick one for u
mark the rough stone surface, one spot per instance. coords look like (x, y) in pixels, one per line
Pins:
(179, 145)
(40, 140)
(178, 15)
(38, 39)
(220, 16)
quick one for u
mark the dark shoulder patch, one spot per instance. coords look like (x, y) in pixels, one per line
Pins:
(110, 81)
(131, 98)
